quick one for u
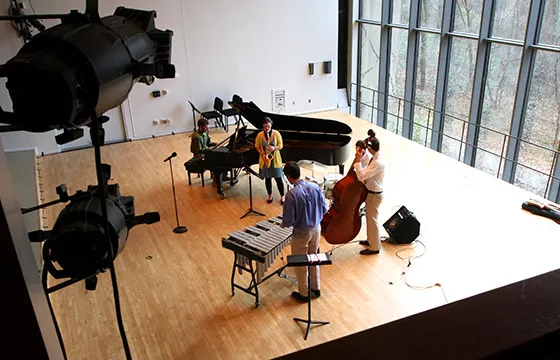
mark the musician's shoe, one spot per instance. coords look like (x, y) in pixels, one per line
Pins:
(269, 200)
(364, 242)
(296, 295)
(282, 201)
(369, 252)
(315, 293)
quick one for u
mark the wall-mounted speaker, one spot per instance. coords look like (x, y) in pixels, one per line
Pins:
(403, 227)
(327, 66)
(311, 68)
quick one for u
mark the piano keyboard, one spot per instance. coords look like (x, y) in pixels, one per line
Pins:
(262, 243)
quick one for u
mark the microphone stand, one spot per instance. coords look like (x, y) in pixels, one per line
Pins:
(179, 229)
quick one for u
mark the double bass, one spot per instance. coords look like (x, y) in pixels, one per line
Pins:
(342, 222)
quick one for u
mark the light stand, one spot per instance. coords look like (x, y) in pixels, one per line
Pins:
(251, 211)
(179, 229)
(97, 140)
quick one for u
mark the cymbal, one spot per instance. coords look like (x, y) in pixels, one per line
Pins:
(312, 165)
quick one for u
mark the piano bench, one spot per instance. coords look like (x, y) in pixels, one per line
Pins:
(193, 167)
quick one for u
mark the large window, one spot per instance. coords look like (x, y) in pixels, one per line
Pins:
(541, 129)
(467, 16)
(499, 96)
(426, 77)
(479, 80)
(550, 32)
(371, 10)
(510, 18)
(369, 71)
(401, 10)
(397, 76)
(430, 14)
(458, 95)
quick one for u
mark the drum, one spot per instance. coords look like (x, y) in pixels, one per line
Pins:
(329, 180)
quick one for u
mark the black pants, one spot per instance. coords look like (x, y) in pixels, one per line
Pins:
(279, 182)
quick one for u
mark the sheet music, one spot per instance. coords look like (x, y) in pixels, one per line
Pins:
(316, 258)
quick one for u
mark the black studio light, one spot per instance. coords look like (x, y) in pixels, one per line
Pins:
(79, 245)
(63, 78)
(85, 63)
(66, 77)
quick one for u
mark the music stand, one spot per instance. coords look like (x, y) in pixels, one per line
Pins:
(251, 211)
(305, 260)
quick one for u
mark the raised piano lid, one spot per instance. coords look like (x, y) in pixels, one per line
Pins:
(255, 115)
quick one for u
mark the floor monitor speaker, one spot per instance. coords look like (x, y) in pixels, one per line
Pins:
(403, 227)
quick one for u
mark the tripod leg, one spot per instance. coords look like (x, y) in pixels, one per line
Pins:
(233, 274)
(251, 201)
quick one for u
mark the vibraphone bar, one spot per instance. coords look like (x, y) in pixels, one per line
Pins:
(261, 243)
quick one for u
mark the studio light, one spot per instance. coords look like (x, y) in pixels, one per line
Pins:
(85, 63)
(78, 246)
(67, 77)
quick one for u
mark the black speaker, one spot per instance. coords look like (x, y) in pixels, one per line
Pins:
(327, 66)
(403, 227)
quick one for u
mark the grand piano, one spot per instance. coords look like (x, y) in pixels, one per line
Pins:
(321, 140)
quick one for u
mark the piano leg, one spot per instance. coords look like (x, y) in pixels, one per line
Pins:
(341, 169)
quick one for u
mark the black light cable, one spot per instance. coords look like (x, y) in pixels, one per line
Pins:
(44, 277)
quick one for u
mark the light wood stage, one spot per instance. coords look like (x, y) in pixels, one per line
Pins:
(175, 289)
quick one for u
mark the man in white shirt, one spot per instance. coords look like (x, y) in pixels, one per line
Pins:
(372, 176)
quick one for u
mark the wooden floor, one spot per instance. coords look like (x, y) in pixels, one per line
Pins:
(175, 289)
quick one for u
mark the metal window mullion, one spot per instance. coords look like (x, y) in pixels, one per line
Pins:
(384, 63)
(411, 67)
(463, 35)
(371, 22)
(550, 48)
(498, 40)
(554, 191)
(522, 93)
(442, 75)
(479, 81)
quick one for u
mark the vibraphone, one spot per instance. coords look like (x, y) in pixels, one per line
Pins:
(261, 243)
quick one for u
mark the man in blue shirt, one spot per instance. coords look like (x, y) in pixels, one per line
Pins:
(304, 209)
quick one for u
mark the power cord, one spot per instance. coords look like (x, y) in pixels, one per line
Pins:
(409, 259)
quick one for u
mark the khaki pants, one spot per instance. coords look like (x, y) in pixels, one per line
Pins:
(373, 201)
(306, 241)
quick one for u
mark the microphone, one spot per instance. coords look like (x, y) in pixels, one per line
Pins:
(170, 156)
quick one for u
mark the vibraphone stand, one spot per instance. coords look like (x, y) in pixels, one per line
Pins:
(253, 284)
(303, 260)
(251, 211)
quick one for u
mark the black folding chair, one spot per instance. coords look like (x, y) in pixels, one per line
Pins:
(230, 112)
(219, 108)
(237, 99)
(208, 115)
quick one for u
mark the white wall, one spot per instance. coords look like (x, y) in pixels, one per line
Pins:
(22, 166)
(220, 47)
